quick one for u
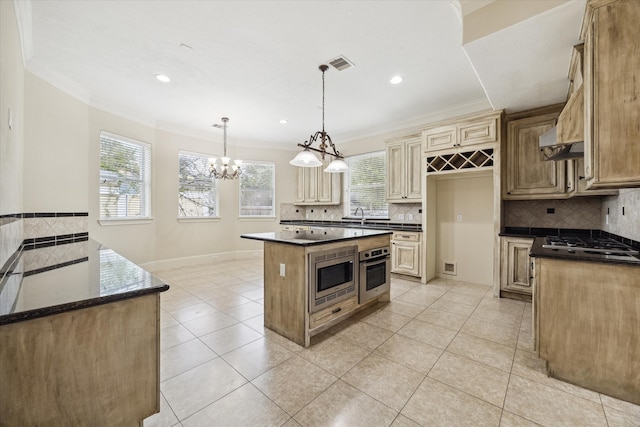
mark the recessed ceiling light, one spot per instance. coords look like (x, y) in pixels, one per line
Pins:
(283, 121)
(163, 78)
(396, 80)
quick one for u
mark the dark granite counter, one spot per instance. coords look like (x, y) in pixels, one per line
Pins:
(354, 223)
(537, 251)
(60, 278)
(316, 235)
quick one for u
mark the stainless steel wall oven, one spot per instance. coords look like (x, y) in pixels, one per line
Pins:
(375, 273)
(333, 276)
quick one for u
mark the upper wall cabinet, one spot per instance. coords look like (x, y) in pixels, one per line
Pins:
(404, 169)
(470, 131)
(527, 174)
(612, 93)
(316, 187)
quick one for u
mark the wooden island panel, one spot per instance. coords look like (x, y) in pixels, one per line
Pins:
(95, 366)
(589, 324)
(285, 298)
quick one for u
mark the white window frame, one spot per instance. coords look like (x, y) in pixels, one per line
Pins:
(202, 181)
(246, 163)
(348, 210)
(144, 181)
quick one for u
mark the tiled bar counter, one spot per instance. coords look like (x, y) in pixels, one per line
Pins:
(79, 327)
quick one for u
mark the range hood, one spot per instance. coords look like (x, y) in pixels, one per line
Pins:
(553, 151)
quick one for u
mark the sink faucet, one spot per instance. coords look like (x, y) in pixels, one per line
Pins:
(362, 212)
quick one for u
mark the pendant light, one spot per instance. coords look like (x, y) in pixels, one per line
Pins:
(307, 159)
(224, 171)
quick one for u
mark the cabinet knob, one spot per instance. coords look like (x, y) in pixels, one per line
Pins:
(581, 177)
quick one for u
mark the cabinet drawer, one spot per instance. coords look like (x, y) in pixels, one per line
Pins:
(326, 315)
(406, 236)
(478, 132)
(439, 138)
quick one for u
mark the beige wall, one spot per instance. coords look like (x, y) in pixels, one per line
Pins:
(55, 149)
(468, 243)
(11, 97)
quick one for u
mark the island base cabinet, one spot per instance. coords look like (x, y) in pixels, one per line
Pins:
(588, 316)
(96, 366)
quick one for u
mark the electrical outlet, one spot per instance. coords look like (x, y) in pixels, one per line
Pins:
(401, 217)
(410, 217)
(459, 218)
(282, 270)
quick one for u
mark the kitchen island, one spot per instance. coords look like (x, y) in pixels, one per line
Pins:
(587, 319)
(290, 278)
(79, 326)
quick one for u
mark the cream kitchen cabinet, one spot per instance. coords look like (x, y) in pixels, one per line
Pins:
(474, 130)
(516, 273)
(612, 93)
(316, 187)
(404, 169)
(405, 253)
(527, 174)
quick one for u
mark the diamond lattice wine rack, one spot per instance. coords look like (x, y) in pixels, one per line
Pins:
(459, 161)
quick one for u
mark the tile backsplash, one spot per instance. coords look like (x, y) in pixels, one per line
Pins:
(409, 213)
(579, 212)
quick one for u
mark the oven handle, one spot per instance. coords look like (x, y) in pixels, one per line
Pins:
(372, 260)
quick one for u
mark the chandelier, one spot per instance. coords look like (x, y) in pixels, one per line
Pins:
(223, 170)
(307, 159)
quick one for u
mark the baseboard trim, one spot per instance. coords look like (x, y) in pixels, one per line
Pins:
(166, 264)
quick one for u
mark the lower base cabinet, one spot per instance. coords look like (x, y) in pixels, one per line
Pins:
(405, 253)
(516, 273)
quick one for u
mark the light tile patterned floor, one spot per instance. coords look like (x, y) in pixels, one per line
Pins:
(442, 354)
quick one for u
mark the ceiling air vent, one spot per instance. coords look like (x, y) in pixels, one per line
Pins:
(341, 63)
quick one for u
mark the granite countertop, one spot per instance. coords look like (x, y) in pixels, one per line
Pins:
(316, 235)
(60, 278)
(537, 251)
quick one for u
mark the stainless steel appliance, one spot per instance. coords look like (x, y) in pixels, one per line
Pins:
(332, 276)
(375, 273)
(591, 247)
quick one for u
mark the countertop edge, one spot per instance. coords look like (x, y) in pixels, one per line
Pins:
(7, 319)
(538, 252)
(303, 242)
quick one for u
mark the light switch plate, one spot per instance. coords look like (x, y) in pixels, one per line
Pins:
(282, 270)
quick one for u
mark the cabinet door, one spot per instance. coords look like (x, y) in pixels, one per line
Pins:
(575, 168)
(413, 170)
(440, 138)
(516, 265)
(405, 257)
(395, 171)
(311, 184)
(612, 95)
(528, 175)
(299, 196)
(324, 187)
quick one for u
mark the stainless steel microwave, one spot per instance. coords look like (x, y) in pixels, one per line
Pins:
(333, 276)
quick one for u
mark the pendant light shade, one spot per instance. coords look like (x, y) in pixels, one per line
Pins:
(337, 166)
(305, 159)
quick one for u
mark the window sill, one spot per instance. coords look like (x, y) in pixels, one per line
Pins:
(199, 219)
(124, 221)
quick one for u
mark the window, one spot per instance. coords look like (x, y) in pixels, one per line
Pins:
(365, 185)
(197, 191)
(257, 189)
(125, 177)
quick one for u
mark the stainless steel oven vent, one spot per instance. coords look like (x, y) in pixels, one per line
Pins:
(341, 63)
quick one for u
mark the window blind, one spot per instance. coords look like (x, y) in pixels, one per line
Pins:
(125, 177)
(257, 189)
(366, 185)
(197, 191)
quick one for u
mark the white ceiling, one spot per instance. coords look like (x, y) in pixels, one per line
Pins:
(257, 62)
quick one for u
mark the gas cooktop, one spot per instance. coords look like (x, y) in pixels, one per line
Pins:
(596, 246)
